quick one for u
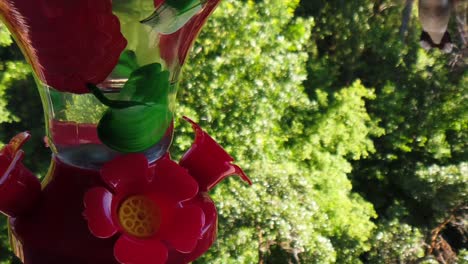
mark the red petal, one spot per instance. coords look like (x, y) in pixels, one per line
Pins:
(209, 229)
(127, 173)
(139, 251)
(19, 188)
(98, 212)
(186, 228)
(17, 143)
(173, 181)
(208, 162)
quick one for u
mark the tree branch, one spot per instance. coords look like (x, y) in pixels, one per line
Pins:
(405, 20)
(461, 9)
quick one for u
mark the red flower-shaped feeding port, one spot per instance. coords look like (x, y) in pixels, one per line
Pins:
(19, 188)
(147, 207)
(161, 212)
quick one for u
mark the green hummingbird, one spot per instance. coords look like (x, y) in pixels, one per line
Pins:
(172, 15)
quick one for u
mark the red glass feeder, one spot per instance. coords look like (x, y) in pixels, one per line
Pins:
(108, 72)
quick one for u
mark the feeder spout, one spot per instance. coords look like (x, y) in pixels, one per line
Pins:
(19, 188)
(208, 162)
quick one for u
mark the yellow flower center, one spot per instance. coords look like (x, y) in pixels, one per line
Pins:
(139, 216)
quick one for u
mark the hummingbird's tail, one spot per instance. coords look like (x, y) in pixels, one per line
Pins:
(445, 44)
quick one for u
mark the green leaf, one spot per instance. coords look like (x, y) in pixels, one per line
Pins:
(5, 37)
(134, 129)
(141, 117)
(181, 6)
(126, 65)
(147, 84)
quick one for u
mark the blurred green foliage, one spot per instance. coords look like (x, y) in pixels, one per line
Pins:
(355, 139)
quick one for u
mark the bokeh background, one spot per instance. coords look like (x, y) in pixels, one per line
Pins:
(355, 138)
